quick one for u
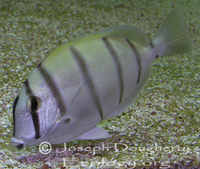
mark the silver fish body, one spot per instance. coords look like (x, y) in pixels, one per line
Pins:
(90, 79)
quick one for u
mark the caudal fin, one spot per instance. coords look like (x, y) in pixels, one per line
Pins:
(173, 37)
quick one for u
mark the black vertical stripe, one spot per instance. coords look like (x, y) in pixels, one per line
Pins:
(14, 106)
(28, 89)
(36, 124)
(138, 59)
(86, 75)
(53, 89)
(118, 64)
(34, 114)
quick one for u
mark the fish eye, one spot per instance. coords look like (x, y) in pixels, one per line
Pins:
(33, 103)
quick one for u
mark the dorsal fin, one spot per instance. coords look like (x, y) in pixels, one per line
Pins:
(126, 31)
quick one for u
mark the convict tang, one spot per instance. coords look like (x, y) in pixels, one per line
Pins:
(90, 79)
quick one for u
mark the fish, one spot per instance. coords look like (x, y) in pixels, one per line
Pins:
(90, 79)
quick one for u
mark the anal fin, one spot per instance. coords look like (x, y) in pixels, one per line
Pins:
(94, 133)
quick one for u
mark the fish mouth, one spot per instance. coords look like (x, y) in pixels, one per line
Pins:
(19, 143)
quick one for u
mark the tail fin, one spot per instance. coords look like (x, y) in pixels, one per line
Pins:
(173, 37)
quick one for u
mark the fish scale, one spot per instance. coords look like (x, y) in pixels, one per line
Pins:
(89, 79)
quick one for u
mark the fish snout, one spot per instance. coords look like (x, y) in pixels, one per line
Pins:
(19, 143)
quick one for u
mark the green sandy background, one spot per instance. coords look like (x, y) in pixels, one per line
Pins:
(167, 113)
